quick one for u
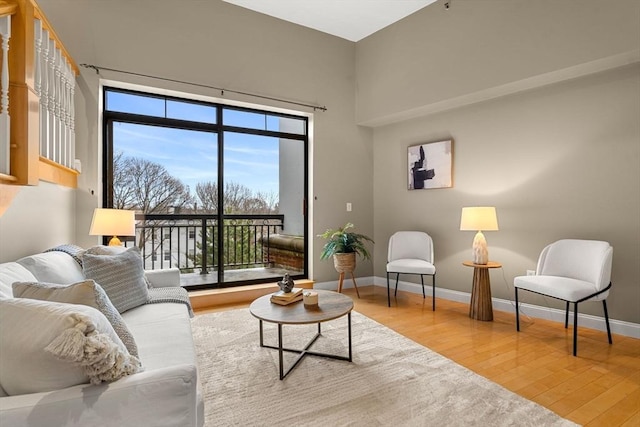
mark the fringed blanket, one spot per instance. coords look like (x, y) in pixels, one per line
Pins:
(172, 294)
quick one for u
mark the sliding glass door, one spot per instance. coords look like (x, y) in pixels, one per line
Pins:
(219, 192)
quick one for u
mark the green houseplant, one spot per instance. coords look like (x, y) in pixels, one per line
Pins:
(343, 245)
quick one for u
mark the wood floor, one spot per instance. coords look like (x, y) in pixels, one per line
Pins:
(600, 387)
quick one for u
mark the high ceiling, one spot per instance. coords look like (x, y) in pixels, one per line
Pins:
(349, 19)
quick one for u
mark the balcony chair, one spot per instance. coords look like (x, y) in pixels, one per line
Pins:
(572, 271)
(411, 252)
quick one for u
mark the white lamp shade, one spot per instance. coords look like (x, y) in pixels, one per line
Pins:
(481, 218)
(113, 222)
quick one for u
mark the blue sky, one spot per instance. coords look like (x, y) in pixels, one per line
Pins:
(191, 156)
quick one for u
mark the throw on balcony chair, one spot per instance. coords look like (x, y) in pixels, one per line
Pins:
(572, 271)
(411, 252)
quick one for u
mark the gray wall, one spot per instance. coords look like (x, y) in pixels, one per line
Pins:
(543, 107)
(436, 58)
(35, 219)
(558, 162)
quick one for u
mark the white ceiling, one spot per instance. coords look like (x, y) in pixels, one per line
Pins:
(350, 19)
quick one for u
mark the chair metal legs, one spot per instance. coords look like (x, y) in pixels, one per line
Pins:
(517, 312)
(395, 293)
(388, 292)
(575, 324)
(575, 328)
(433, 291)
(566, 320)
(606, 318)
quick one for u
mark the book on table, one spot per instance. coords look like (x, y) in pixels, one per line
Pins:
(286, 302)
(284, 298)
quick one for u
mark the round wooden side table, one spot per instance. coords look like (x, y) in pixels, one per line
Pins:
(481, 307)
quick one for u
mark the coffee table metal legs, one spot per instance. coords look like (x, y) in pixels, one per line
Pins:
(304, 352)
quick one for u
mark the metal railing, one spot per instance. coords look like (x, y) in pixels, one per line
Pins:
(190, 241)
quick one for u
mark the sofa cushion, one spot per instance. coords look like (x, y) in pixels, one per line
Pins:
(163, 334)
(86, 292)
(13, 272)
(49, 346)
(53, 267)
(121, 276)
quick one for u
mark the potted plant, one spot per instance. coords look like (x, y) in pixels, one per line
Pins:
(343, 245)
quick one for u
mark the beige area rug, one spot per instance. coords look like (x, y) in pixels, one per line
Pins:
(392, 380)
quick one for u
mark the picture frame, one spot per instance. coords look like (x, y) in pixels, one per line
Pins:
(430, 165)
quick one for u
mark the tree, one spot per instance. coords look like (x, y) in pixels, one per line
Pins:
(146, 186)
(237, 199)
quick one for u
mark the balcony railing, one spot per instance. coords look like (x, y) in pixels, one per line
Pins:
(190, 241)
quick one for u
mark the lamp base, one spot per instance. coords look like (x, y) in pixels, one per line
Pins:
(480, 251)
(115, 241)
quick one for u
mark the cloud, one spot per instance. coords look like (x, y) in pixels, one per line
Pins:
(251, 164)
(250, 150)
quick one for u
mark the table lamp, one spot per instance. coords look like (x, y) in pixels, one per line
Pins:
(479, 219)
(113, 222)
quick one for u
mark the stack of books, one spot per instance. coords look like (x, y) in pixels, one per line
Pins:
(282, 298)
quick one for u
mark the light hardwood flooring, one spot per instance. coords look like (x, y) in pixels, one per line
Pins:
(600, 387)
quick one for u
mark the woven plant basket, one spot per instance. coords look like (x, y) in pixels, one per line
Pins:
(344, 263)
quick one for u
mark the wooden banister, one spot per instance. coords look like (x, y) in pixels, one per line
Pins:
(38, 14)
(27, 166)
(7, 8)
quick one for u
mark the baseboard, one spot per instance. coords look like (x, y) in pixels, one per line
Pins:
(584, 320)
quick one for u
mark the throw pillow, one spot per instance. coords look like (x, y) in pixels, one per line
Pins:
(111, 250)
(88, 293)
(121, 276)
(53, 267)
(50, 346)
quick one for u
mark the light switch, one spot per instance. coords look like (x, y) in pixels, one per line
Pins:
(348, 207)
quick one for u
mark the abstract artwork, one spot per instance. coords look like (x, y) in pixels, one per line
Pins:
(430, 165)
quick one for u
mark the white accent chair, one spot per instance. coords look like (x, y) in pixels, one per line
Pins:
(411, 252)
(573, 271)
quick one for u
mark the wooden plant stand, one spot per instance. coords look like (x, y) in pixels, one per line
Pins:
(341, 281)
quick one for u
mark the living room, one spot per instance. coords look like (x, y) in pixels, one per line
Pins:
(540, 99)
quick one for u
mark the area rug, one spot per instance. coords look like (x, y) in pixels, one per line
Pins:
(392, 380)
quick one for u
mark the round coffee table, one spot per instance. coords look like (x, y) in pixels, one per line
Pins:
(331, 305)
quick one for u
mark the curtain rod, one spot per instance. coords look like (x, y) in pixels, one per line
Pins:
(97, 68)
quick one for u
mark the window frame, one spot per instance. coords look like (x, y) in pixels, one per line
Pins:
(219, 129)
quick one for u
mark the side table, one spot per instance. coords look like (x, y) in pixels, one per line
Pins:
(481, 308)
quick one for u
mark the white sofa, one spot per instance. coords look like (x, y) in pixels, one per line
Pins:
(165, 393)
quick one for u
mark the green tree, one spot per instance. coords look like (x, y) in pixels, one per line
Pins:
(239, 236)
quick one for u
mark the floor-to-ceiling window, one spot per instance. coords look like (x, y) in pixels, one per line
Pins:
(219, 191)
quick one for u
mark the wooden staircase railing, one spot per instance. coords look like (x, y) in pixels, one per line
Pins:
(40, 107)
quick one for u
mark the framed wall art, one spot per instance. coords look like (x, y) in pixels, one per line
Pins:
(430, 165)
